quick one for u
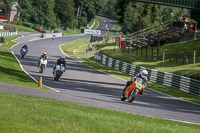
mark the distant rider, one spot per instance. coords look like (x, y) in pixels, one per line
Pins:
(43, 56)
(24, 47)
(142, 75)
(60, 61)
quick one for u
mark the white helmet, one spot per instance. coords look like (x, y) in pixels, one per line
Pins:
(144, 73)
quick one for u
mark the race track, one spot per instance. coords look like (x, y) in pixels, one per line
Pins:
(84, 85)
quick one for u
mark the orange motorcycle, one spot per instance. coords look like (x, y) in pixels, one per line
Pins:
(132, 90)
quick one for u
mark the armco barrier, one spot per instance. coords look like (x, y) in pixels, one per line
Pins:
(8, 33)
(167, 79)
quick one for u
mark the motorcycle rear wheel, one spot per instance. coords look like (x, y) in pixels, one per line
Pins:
(22, 56)
(123, 98)
(133, 95)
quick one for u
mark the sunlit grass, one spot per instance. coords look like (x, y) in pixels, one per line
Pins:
(11, 72)
(8, 41)
(40, 115)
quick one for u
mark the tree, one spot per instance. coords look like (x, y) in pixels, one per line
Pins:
(135, 16)
(85, 10)
(65, 12)
(39, 12)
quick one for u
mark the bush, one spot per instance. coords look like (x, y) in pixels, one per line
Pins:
(19, 23)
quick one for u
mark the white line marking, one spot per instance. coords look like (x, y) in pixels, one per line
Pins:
(16, 41)
(30, 75)
(92, 25)
(98, 25)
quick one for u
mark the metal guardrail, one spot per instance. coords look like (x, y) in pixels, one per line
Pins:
(175, 81)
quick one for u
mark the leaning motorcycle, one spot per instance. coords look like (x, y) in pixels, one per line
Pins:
(23, 52)
(42, 66)
(58, 71)
(133, 90)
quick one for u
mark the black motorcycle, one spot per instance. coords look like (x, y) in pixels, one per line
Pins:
(23, 52)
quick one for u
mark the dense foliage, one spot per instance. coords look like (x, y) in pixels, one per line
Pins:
(135, 16)
(132, 15)
(53, 13)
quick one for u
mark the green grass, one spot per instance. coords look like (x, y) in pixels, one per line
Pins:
(95, 25)
(71, 32)
(198, 33)
(9, 43)
(69, 48)
(4, 31)
(23, 28)
(11, 72)
(91, 22)
(30, 114)
(170, 91)
(166, 66)
(76, 47)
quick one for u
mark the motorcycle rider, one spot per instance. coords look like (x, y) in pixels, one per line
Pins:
(24, 47)
(43, 56)
(60, 61)
(142, 75)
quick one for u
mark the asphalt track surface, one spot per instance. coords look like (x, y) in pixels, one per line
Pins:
(84, 85)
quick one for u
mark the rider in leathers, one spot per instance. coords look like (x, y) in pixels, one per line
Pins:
(43, 56)
(142, 75)
(59, 62)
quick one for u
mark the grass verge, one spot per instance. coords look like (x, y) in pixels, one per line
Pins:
(23, 28)
(167, 90)
(34, 114)
(69, 47)
(166, 66)
(9, 43)
(11, 72)
(76, 47)
(95, 25)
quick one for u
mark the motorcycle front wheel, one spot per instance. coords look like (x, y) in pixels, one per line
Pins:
(123, 98)
(57, 77)
(42, 69)
(133, 95)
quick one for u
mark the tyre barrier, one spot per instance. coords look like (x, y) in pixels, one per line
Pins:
(175, 81)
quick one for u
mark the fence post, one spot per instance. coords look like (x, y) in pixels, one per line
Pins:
(146, 51)
(137, 51)
(170, 55)
(141, 51)
(185, 59)
(152, 53)
(194, 60)
(163, 55)
(157, 53)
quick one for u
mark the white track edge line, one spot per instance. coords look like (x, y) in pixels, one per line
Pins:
(27, 72)
(126, 80)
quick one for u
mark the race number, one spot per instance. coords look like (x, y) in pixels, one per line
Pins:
(139, 86)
